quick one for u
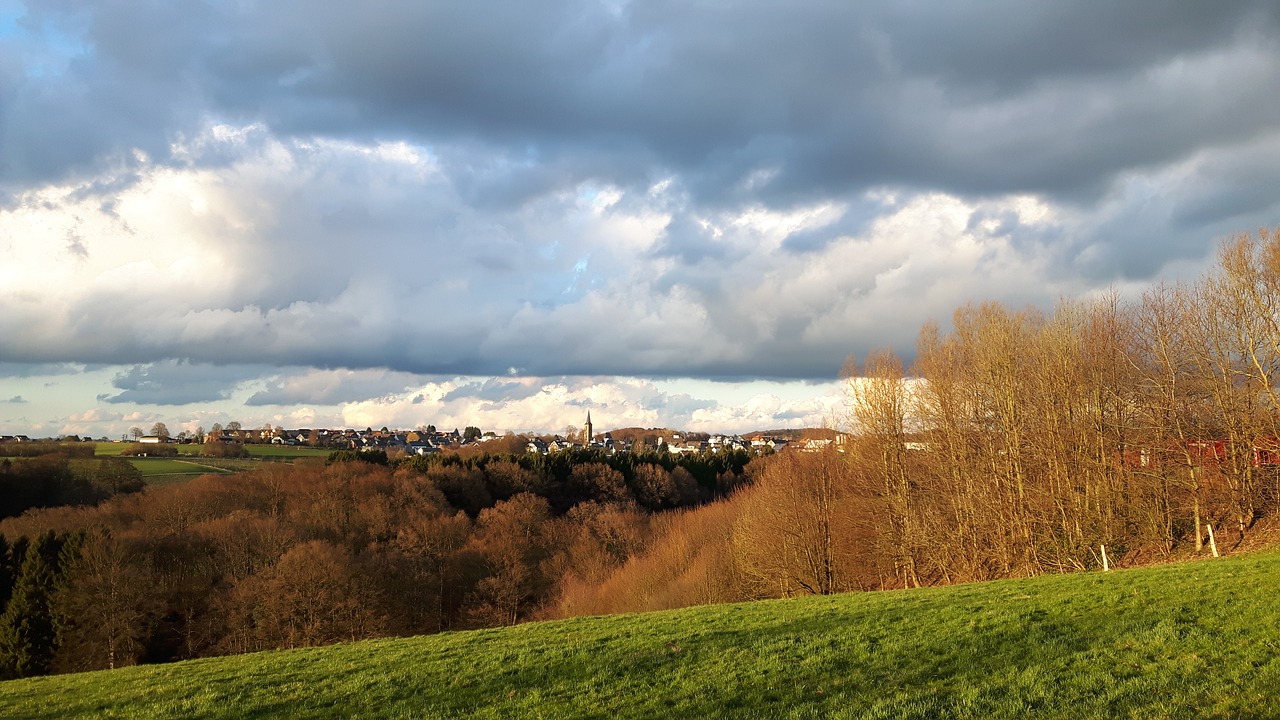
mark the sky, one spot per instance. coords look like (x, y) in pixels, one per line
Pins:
(685, 214)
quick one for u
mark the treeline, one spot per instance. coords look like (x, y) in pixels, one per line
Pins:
(39, 475)
(314, 553)
(651, 479)
(1017, 443)
(37, 449)
(165, 450)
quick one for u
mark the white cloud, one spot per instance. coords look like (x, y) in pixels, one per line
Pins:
(308, 252)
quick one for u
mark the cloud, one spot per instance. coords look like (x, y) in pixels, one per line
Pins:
(175, 383)
(26, 370)
(96, 415)
(493, 390)
(16, 400)
(330, 387)
(432, 306)
(603, 286)
(988, 96)
(541, 405)
(768, 412)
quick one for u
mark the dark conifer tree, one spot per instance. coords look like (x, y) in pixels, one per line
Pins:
(7, 573)
(26, 627)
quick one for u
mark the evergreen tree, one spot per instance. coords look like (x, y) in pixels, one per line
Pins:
(7, 573)
(26, 627)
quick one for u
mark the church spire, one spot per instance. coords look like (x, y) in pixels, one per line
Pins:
(586, 429)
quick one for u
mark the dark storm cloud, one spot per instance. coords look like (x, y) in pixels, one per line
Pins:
(853, 221)
(22, 370)
(493, 390)
(980, 97)
(176, 383)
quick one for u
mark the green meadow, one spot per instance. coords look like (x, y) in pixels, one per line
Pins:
(1189, 640)
(188, 464)
(158, 472)
(150, 467)
(266, 452)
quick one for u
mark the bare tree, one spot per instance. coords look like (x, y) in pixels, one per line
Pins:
(107, 604)
(798, 526)
(512, 539)
(880, 404)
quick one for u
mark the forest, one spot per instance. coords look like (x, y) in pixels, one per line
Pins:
(1014, 442)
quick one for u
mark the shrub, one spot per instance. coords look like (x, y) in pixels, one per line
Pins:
(36, 449)
(375, 457)
(224, 450)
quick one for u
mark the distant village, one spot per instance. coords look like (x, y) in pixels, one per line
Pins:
(427, 440)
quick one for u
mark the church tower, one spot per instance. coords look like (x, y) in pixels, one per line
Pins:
(586, 430)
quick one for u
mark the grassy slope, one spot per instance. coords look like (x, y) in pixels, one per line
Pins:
(1188, 640)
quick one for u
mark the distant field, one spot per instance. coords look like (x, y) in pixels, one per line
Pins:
(155, 481)
(169, 471)
(113, 449)
(1193, 640)
(266, 452)
(150, 467)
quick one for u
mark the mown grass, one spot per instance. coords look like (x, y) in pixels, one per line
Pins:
(1180, 641)
(151, 467)
(113, 449)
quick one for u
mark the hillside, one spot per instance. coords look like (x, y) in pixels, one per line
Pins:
(1185, 640)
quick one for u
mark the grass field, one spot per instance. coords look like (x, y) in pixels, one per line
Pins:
(158, 472)
(150, 467)
(113, 449)
(1193, 640)
(263, 452)
(169, 471)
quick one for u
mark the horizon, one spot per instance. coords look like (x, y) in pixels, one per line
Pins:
(185, 436)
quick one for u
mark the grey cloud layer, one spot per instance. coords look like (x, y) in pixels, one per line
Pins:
(418, 186)
(176, 383)
(985, 97)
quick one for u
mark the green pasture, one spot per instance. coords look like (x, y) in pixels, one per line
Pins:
(150, 467)
(1192, 640)
(112, 449)
(264, 452)
(189, 464)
